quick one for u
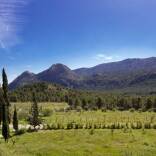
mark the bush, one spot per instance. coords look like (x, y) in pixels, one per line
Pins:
(114, 109)
(132, 110)
(67, 109)
(79, 109)
(140, 110)
(154, 109)
(104, 110)
(93, 108)
(30, 130)
(20, 131)
(139, 125)
(22, 114)
(60, 110)
(147, 125)
(91, 132)
(150, 110)
(47, 112)
(154, 126)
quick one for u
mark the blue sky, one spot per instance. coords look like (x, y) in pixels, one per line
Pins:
(34, 34)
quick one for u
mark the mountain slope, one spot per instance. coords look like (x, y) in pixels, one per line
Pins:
(24, 79)
(115, 75)
(123, 67)
(60, 74)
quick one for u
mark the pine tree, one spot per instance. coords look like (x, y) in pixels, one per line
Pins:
(84, 104)
(15, 120)
(148, 104)
(70, 103)
(77, 103)
(99, 103)
(66, 98)
(154, 103)
(35, 121)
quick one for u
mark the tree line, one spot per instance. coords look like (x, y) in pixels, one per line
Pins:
(87, 100)
(118, 103)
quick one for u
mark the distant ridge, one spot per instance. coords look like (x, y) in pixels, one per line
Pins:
(114, 75)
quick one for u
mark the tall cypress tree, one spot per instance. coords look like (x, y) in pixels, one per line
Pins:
(5, 92)
(5, 107)
(70, 103)
(77, 103)
(5, 123)
(99, 103)
(84, 104)
(148, 104)
(5, 87)
(15, 120)
(35, 121)
(1, 104)
(0, 113)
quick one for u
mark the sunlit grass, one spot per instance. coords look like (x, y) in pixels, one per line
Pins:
(81, 143)
(85, 141)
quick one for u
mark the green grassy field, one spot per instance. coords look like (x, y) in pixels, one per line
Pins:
(94, 135)
(82, 143)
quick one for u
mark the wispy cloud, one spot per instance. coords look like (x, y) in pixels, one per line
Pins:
(103, 57)
(11, 21)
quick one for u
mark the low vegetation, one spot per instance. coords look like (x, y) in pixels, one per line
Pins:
(70, 132)
(82, 143)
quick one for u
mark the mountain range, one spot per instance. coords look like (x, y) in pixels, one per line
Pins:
(106, 76)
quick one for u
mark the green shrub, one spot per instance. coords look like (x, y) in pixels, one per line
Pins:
(91, 132)
(20, 131)
(154, 126)
(22, 114)
(78, 108)
(132, 110)
(140, 110)
(104, 110)
(30, 130)
(67, 109)
(139, 125)
(47, 112)
(60, 110)
(147, 125)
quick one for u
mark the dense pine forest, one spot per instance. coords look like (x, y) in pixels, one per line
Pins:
(88, 100)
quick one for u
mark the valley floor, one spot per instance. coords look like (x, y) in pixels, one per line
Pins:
(84, 133)
(82, 143)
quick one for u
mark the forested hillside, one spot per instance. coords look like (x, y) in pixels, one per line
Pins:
(118, 99)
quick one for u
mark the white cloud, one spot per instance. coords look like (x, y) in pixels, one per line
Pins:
(10, 22)
(103, 57)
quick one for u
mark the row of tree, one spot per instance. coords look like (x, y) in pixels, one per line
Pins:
(122, 103)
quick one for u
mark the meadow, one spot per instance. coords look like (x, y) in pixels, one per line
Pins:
(83, 133)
